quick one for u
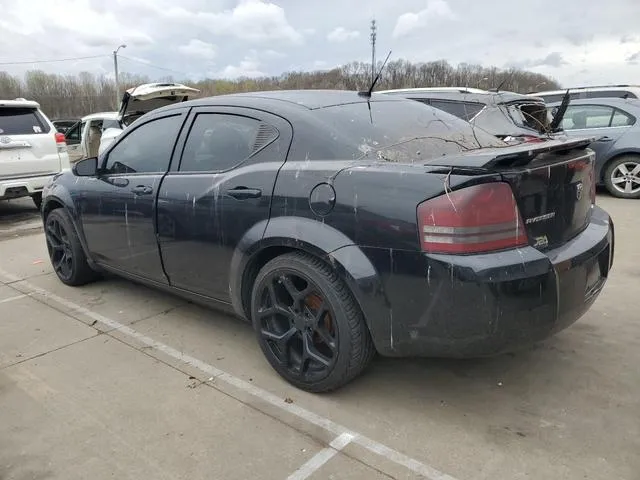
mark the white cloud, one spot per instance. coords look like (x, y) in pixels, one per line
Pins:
(410, 22)
(273, 54)
(199, 49)
(341, 34)
(251, 20)
(137, 39)
(248, 67)
(246, 31)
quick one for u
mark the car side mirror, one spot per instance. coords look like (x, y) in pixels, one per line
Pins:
(87, 167)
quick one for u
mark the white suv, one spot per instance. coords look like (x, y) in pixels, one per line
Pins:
(31, 150)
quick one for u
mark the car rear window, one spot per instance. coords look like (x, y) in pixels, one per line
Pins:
(397, 131)
(21, 121)
(530, 115)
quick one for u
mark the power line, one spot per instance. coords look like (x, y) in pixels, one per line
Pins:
(150, 64)
(53, 61)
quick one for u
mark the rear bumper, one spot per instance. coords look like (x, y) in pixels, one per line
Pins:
(464, 306)
(23, 187)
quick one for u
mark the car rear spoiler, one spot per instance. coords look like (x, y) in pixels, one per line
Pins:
(509, 156)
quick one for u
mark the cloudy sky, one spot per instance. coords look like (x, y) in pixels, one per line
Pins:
(574, 41)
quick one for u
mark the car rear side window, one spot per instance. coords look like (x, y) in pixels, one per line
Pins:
(622, 119)
(218, 142)
(463, 110)
(21, 121)
(146, 149)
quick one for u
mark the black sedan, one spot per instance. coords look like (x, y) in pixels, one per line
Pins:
(340, 225)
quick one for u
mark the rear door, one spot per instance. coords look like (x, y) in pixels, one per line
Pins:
(222, 188)
(27, 144)
(604, 123)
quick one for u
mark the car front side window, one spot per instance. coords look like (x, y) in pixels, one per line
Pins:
(146, 149)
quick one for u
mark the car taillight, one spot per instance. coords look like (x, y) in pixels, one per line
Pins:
(475, 219)
(61, 143)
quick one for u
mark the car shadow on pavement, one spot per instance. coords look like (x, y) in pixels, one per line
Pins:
(526, 381)
(17, 210)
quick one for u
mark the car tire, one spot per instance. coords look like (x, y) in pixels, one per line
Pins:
(615, 178)
(65, 251)
(37, 199)
(308, 324)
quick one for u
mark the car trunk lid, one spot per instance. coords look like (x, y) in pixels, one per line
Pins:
(553, 184)
(142, 99)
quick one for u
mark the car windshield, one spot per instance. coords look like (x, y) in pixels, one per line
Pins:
(401, 131)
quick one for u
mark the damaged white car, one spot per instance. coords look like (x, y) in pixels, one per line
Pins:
(142, 99)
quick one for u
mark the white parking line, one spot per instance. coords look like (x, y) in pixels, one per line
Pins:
(11, 299)
(322, 457)
(329, 425)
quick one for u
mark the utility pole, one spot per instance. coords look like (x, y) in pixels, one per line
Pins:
(373, 36)
(115, 67)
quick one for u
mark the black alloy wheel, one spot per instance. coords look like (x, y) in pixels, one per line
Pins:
(59, 246)
(65, 251)
(297, 324)
(308, 324)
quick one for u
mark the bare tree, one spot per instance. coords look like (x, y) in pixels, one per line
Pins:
(74, 96)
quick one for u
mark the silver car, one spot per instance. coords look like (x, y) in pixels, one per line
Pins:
(614, 126)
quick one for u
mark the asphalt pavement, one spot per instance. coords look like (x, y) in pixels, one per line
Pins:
(115, 380)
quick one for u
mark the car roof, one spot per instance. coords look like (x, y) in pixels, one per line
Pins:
(100, 115)
(622, 103)
(460, 93)
(291, 99)
(605, 88)
(18, 103)
(434, 89)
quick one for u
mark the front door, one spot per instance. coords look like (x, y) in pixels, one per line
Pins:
(118, 211)
(221, 189)
(73, 138)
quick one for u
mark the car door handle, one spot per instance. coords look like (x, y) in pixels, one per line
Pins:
(605, 139)
(142, 190)
(242, 193)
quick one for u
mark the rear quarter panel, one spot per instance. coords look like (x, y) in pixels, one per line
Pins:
(370, 236)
